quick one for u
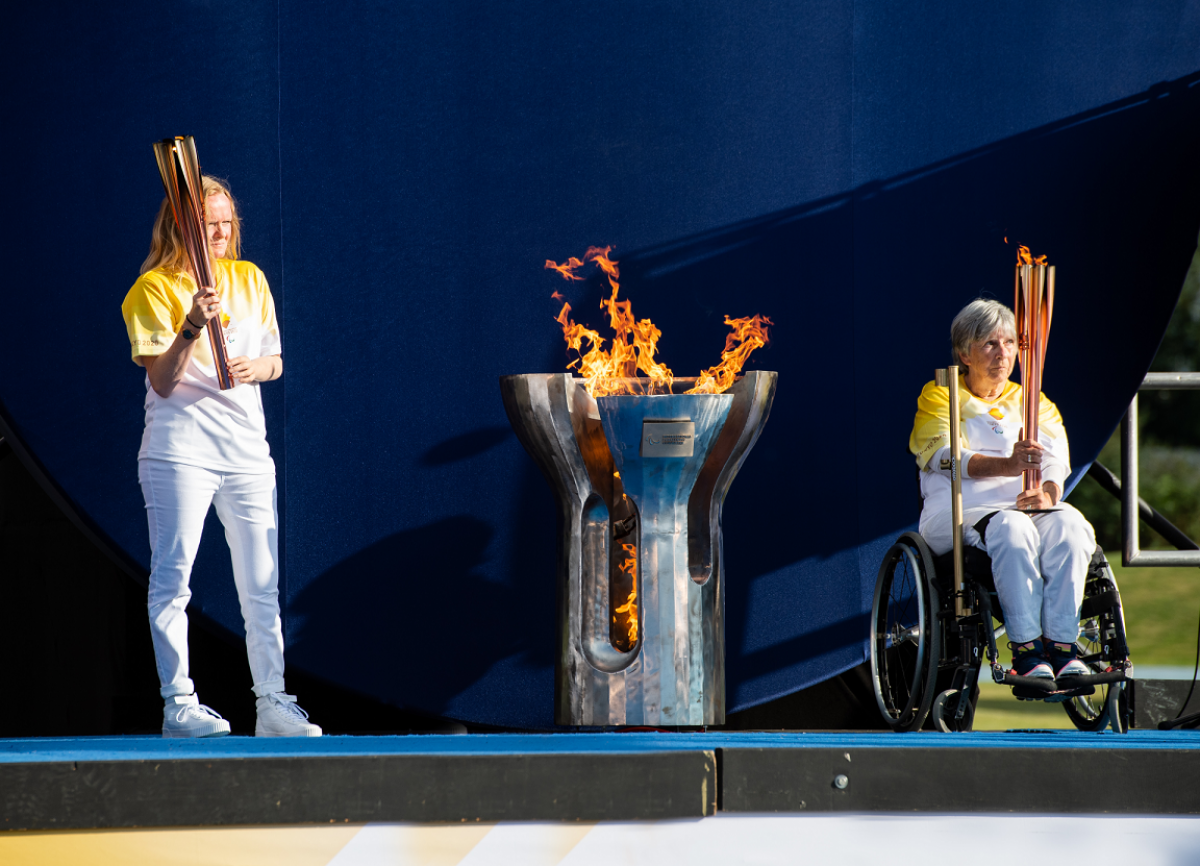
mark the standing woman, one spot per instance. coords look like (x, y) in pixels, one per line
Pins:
(205, 446)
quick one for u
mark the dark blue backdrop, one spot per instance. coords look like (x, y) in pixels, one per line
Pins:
(403, 169)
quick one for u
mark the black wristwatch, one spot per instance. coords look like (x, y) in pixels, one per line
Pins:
(189, 334)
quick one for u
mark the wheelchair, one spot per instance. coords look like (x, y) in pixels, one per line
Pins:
(926, 659)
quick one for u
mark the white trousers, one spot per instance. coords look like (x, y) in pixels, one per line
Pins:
(1039, 561)
(177, 501)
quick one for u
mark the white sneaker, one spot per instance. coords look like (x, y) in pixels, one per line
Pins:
(1073, 668)
(185, 716)
(278, 716)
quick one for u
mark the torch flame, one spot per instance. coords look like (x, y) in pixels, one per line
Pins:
(635, 343)
(748, 334)
(629, 566)
(1024, 257)
(567, 269)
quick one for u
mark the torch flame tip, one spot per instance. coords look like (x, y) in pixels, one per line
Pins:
(1024, 257)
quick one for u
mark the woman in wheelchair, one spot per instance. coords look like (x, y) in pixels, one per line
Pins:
(1040, 547)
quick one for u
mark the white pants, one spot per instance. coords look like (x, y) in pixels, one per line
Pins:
(1039, 561)
(177, 500)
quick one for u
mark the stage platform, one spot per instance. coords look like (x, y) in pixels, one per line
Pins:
(112, 782)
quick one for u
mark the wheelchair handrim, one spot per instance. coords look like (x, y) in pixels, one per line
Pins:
(881, 609)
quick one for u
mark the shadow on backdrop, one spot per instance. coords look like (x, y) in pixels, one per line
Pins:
(465, 446)
(380, 621)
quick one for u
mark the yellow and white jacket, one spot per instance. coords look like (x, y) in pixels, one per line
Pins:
(991, 429)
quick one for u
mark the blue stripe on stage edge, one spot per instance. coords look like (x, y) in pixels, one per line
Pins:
(155, 748)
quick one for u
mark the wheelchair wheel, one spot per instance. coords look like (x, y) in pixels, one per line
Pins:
(1108, 707)
(1090, 712)
(943, 716)
(904, 634)
(1101, 643)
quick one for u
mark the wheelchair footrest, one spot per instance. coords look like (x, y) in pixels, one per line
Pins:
(1117, 676)
(1041, 684)
(1045, 689)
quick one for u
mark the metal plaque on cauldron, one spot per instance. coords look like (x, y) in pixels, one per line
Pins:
(668, 438)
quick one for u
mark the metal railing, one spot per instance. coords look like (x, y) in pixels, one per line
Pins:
(1133, 507)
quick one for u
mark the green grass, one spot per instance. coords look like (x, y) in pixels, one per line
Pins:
(998, 710)
(1162, 608)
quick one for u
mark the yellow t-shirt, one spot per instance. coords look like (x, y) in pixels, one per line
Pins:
(157, 304)
(987, 428)
(199, 424)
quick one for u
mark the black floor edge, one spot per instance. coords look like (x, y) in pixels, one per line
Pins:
(596, 787)
(962, 779)
(544, 787)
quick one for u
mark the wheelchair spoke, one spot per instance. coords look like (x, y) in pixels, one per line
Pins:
(1100, 643)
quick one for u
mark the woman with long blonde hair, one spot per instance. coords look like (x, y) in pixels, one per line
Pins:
(203, 446)
(166, 244)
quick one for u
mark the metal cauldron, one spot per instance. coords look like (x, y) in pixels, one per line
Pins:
(639, 482)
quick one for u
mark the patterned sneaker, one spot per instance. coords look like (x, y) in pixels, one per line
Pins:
(185, 716)
(1029, 660)
(278, 716)
(1064, 659)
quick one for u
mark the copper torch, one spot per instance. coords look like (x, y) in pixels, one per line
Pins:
(1034, 308)
(180, 170)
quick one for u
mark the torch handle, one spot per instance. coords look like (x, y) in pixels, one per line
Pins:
(216, 339)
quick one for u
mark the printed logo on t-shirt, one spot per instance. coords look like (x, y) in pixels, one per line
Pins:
(230, 326)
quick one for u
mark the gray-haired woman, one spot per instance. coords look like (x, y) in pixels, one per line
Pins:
(1039, 557)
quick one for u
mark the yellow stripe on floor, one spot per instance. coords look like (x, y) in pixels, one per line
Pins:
(297, 845)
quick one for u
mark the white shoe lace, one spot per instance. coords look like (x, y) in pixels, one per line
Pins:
(199, 711)
(286, 706)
